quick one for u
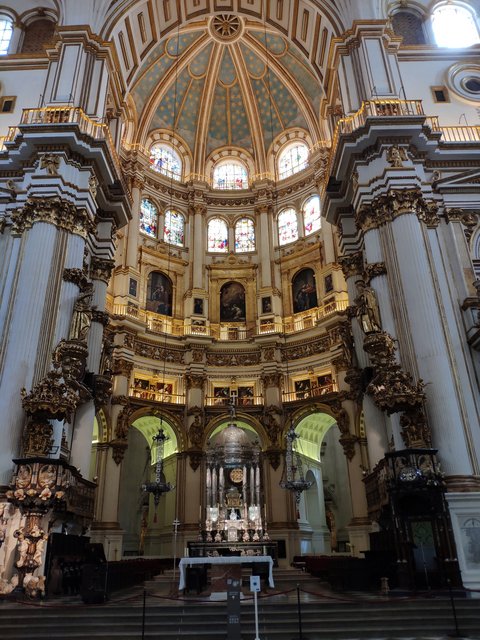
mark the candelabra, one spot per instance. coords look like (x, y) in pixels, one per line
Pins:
(293, 473)
(158, 488)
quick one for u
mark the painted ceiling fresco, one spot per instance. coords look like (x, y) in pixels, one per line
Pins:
(257, 92)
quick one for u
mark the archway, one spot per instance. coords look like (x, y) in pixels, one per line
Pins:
(147, 529)
(325, 508)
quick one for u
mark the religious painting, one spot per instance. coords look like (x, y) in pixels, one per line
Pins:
(245, 395)
(302, 389)
(198, 306)
(324, 385)
(328, 283)
(304, 291)
(159, 293)
(232, 302)
(132, 287)
(221, 395)
(267, 305)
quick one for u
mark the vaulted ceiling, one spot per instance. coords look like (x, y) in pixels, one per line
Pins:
(226, 82)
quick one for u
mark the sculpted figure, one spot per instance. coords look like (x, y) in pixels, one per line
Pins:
(22, 547)
(82, 315)
(367, 308)
(7, 587)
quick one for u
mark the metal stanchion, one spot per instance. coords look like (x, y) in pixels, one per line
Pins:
(143, 612)
(299, 612)
(456, 633)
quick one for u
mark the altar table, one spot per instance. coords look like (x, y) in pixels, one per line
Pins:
(227, 560)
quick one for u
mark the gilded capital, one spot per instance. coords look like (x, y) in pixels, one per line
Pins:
(395, 203)
(352, 264)
(101, 269)
(62, 214)
(122, 367)
(195, 381)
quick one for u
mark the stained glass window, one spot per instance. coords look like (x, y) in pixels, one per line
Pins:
(6, 30)
(230, 175)
(287, 226)
(217, 236)
(148, 218)
(293, 158)
(174, 228)
(244, 235)
(164, 159)
(311, 215)
(454, 26)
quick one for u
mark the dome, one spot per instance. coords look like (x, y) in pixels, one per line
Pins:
(226, 86)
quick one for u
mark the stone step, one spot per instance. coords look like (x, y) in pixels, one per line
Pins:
(277, 620)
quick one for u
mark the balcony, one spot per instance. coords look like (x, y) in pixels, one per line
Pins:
(226, 331)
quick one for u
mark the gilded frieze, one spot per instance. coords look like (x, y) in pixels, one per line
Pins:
(304, 349)
(233, 359)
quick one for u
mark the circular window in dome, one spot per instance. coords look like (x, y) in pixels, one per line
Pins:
(472, 85)
(464, 80)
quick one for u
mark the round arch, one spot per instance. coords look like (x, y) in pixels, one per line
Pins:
(243, 421)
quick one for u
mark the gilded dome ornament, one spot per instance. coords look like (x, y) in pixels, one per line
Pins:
(226, 27)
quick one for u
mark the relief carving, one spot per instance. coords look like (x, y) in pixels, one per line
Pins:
(60, 213)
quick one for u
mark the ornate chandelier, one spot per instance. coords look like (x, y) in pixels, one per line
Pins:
(158, 488)
(293, 472)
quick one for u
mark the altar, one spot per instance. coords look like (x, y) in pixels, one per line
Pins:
(227, 561)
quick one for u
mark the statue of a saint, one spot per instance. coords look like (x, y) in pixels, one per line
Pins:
(233, 514)
(367, 308)
(82, 315)
(231, 408)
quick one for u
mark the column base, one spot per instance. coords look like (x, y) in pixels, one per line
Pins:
(359, 531)
(110, 535)
(464, 513)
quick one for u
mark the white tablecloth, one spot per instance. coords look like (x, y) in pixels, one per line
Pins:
(190, 562)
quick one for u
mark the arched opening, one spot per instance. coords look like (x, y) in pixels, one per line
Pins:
(147, 529)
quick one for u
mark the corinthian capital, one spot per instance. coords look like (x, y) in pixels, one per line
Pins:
(397, 202)
(352, 265)
(101, 269)
(62, 214)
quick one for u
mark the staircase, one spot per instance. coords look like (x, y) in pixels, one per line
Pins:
(277, 620)
(325, 615)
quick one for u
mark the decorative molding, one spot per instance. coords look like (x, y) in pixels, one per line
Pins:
(101, 269)
(195, 381)
(303, 349)
(352, 265)
(60, 213)
(373, 270)
(233, 359)
(395, 203)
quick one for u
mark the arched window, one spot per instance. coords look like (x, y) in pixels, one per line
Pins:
(454, 25)
(159, 293)
(230, 174)
(244, 235)
(165, 160)
(311, 215)
(287, 226)
(148, 218)
(217, 236)
(6, 30)
(37, 34)
(409, 26)
(174, 228)
(292, 159)
(304, 291)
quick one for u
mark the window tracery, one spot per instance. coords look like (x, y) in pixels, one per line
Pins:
(148, 218)
(230, 174)
(454, 25)
(174, 228)
(165, 160)
(292, 159)
(6, 31)
(244, 235)
(217, 236)
(287, 226)
(311, 215)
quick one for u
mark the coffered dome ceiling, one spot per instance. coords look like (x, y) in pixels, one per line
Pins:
(226, 89)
